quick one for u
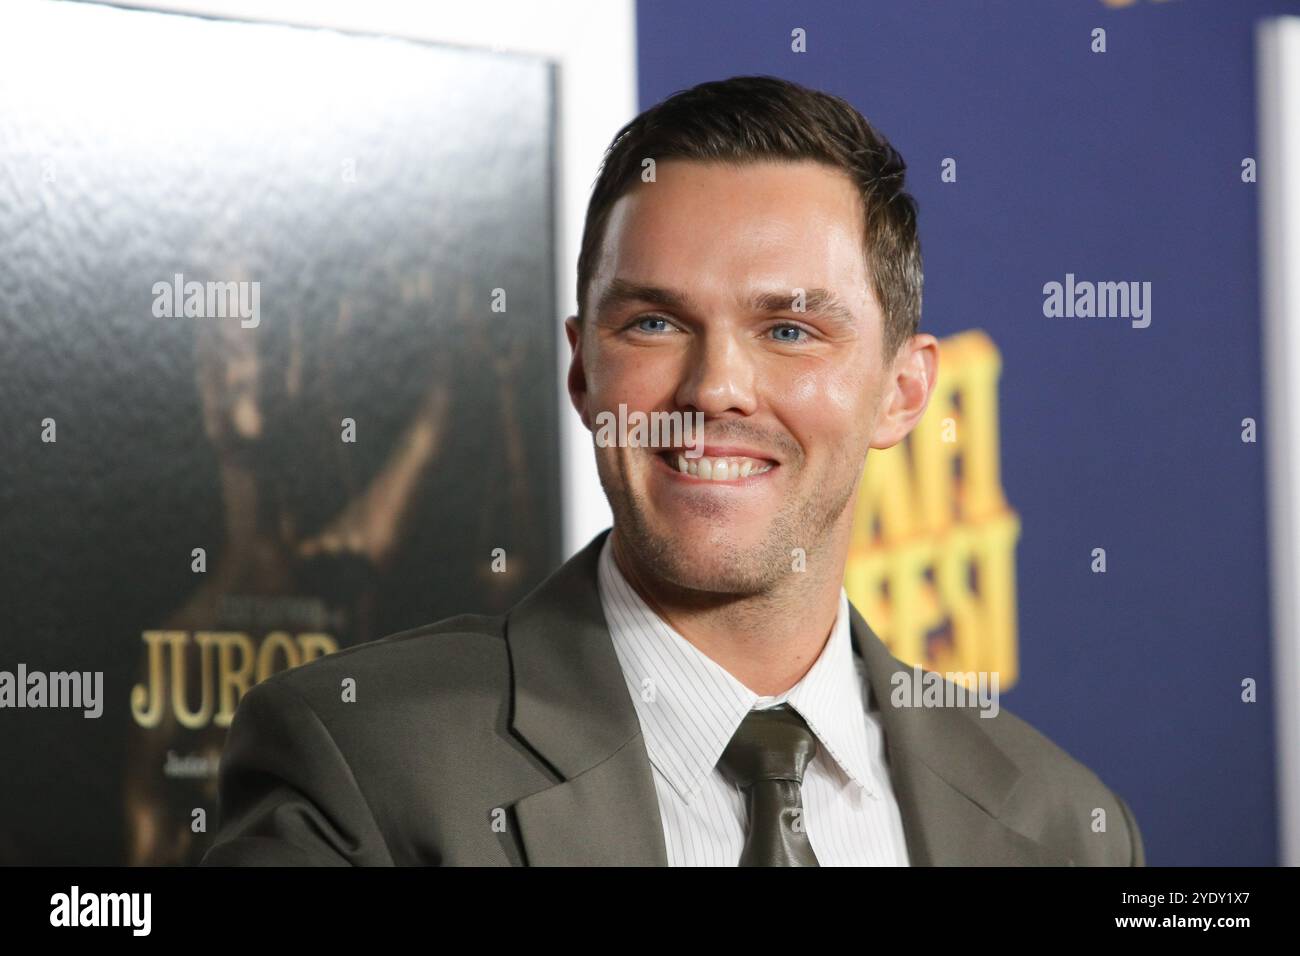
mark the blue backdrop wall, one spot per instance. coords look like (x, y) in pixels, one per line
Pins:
(1116, 166)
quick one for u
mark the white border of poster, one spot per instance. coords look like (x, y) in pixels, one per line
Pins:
(1278, 47)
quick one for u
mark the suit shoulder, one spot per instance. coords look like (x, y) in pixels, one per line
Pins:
(452, 647)
(1034, 751)
(1059, 796)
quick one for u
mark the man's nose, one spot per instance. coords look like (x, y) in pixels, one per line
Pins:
(719, 378)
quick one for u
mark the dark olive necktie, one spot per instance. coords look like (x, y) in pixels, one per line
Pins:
(766, 758)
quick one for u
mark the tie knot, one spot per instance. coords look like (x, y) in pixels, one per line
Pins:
(772, 744)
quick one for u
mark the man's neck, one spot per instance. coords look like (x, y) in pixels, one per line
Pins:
(767, 641)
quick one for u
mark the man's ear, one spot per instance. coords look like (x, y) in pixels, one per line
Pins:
(577, 377)
(907, 390)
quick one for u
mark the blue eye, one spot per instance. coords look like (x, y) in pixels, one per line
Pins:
(663, 323)
(798, 332)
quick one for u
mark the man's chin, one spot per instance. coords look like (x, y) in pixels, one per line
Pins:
(714, 563)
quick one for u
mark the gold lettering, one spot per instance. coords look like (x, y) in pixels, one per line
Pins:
(933, 542)
(276, 641)
(193, 719)
(312, 646)
(240, 663)
(147, 702)
(232, 676)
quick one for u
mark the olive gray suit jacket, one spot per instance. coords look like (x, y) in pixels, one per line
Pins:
(513, 740)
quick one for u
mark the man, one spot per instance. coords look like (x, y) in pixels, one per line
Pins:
(693, 688)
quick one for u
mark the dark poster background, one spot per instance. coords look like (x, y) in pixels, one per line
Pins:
(379, 192)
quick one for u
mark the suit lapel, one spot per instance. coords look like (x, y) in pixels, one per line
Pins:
(951, 780)
(571, 706)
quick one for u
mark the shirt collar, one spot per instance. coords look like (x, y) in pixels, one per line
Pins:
(689, 706)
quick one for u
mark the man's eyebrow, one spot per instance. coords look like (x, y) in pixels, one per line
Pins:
(623, 291)
(816, 301)
(821, 302)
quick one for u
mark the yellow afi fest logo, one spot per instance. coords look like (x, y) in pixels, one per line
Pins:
(932, 562)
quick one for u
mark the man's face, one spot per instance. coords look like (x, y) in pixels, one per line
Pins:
(790, 399)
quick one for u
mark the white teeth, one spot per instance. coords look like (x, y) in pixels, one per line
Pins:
(721, 469)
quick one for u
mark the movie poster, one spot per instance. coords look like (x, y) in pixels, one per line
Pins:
(278, 376)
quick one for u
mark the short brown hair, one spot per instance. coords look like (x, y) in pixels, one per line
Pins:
(754, 118)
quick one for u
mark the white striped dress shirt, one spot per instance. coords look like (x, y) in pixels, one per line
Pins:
(689, 707)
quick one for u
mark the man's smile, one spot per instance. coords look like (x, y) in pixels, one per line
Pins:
(718, 466)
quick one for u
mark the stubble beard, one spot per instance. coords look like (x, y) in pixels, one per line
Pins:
(718, 563)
